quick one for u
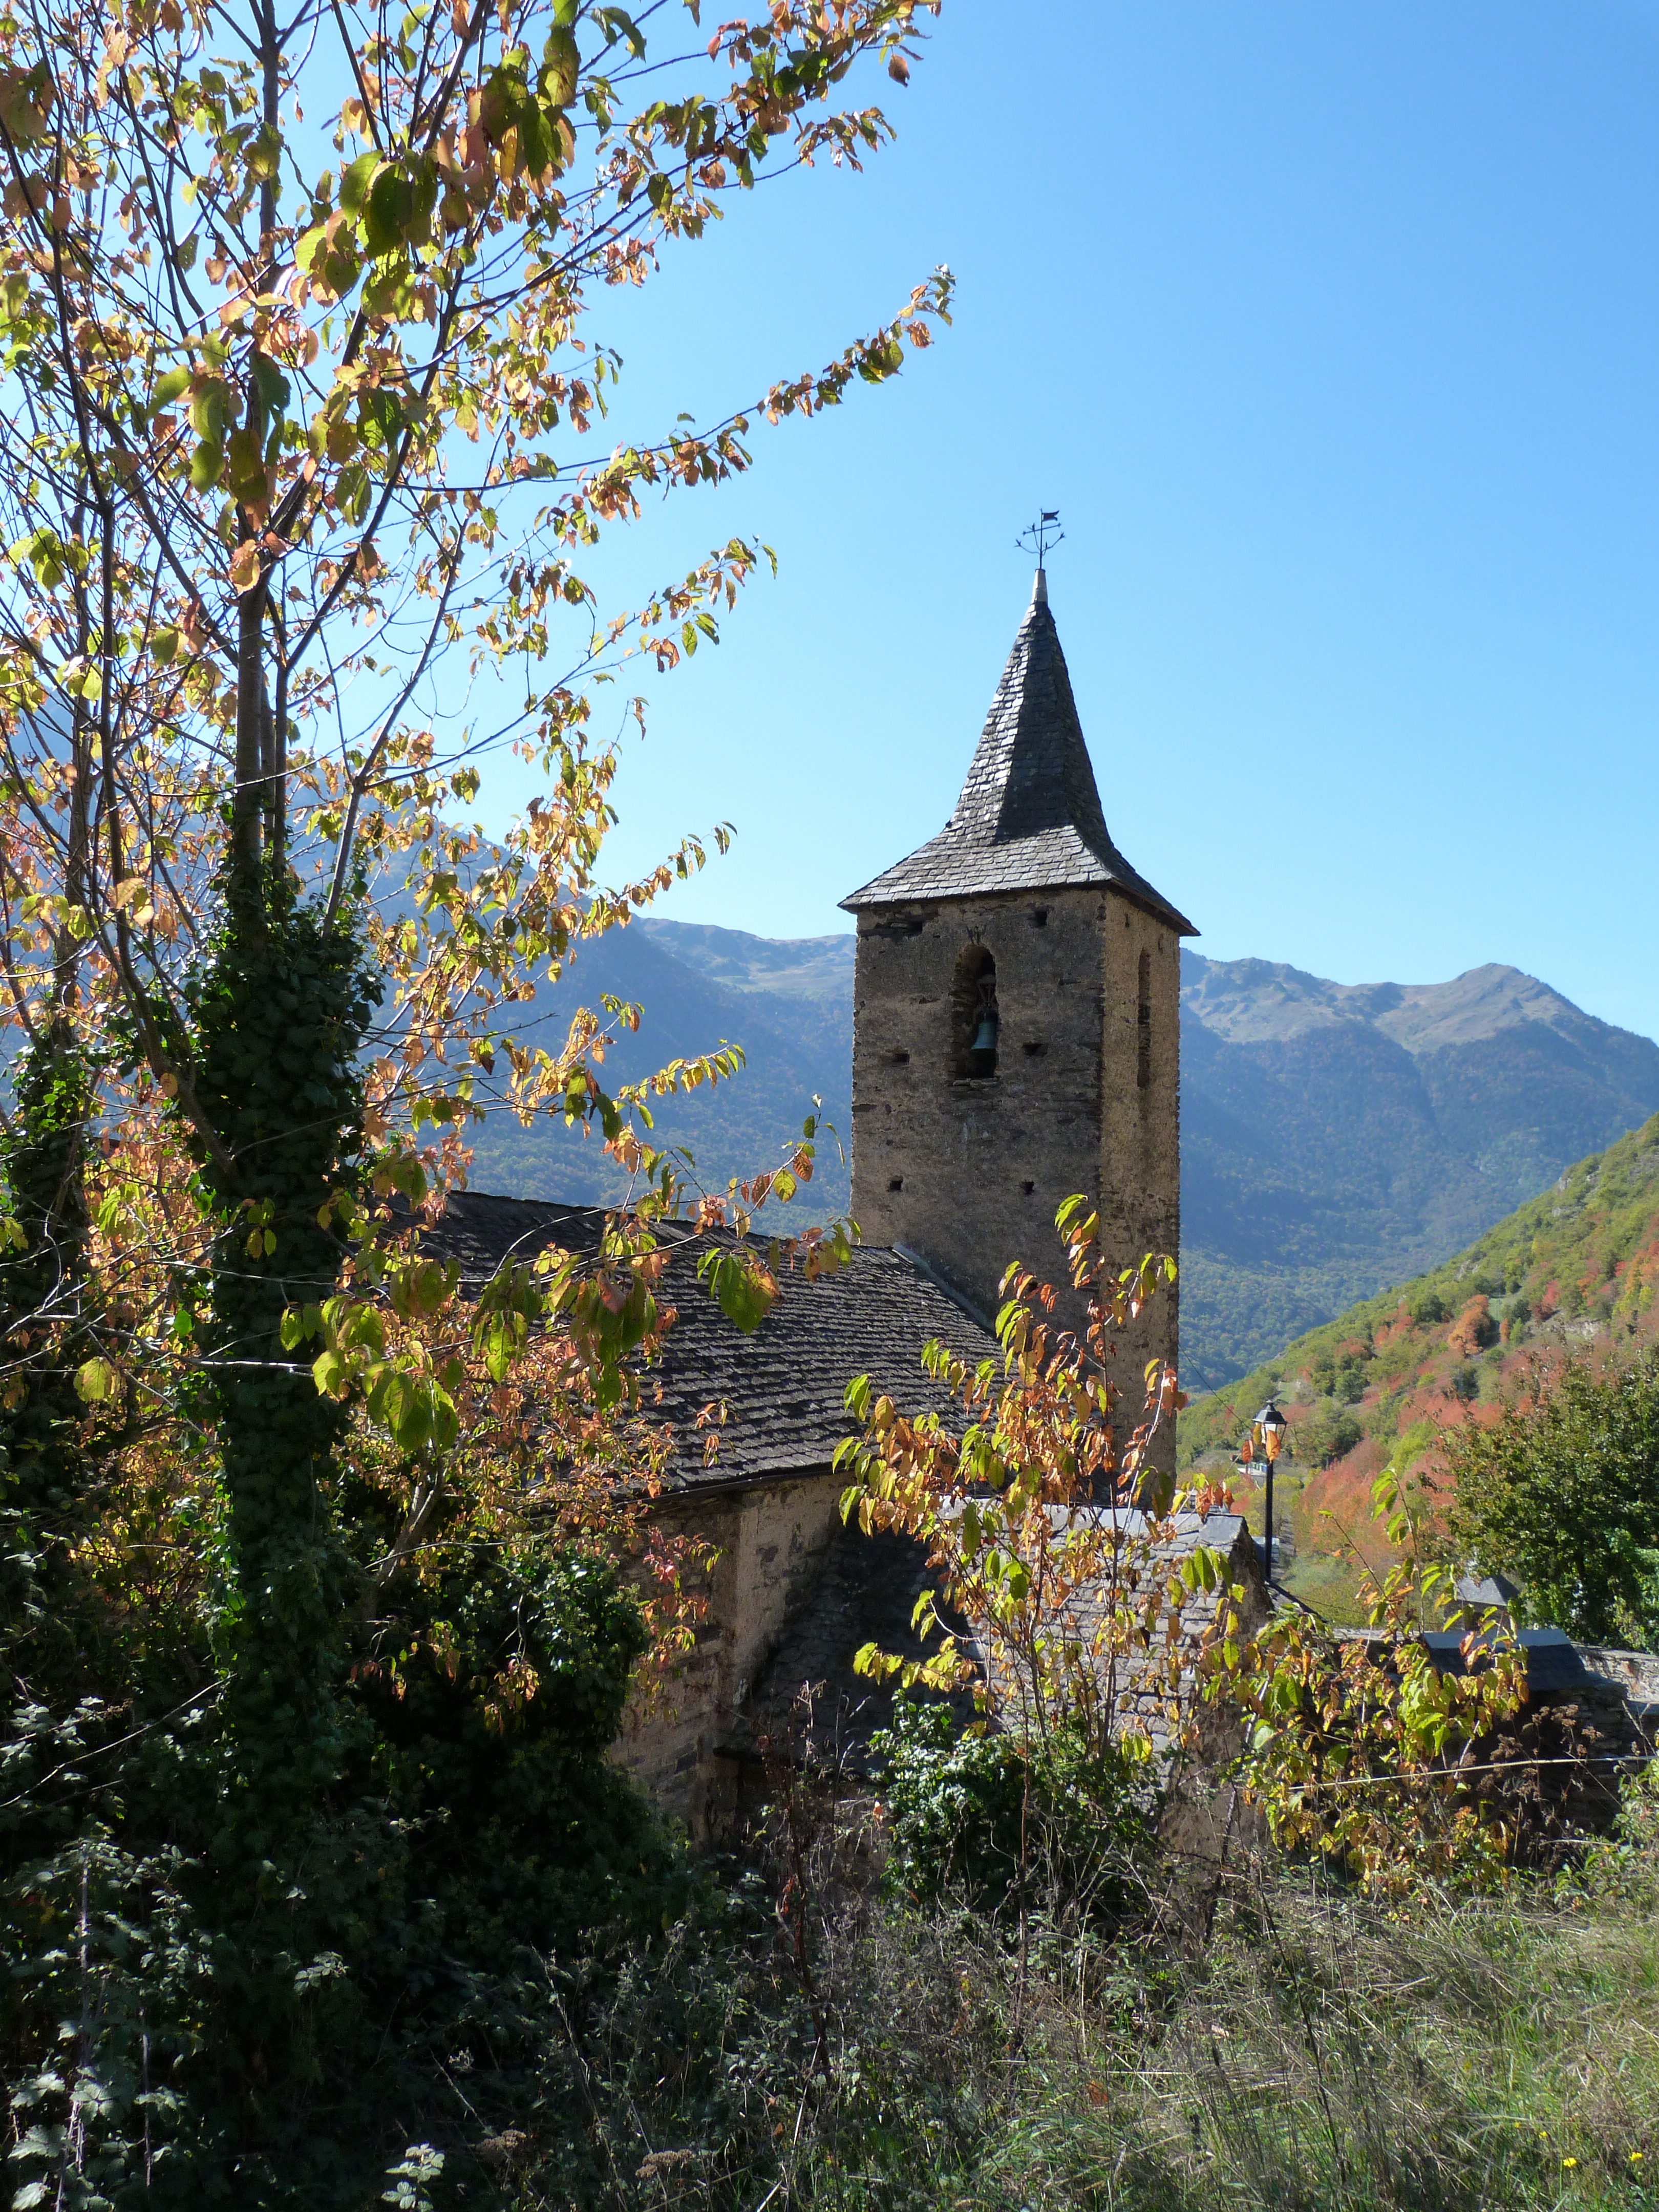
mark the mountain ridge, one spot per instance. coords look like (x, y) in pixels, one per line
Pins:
(1420, 1016)
(1335, 1137)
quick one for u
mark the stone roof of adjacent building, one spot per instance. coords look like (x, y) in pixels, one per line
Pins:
(867, 1593)
(782, 1387)
(1028, 818)
(1556, 1665)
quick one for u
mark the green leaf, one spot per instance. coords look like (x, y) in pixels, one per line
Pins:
(561, 66)
(416, 1411)
(264, 156)
(273, 386)
(173, 386)
(44, 552)
(352, 491)
(388, 213)
(617, 23)
(355, 180)
(740, 1288)
(328, 1371)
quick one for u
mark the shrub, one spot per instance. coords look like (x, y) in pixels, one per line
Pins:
(1331, 1434)
(981, 1819)
(1475, 1328)
(1369, 1754)
(1562, 1495)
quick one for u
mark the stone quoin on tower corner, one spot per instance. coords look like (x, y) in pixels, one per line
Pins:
(1016, 1029)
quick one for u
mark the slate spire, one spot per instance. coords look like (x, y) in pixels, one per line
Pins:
(1029, 815)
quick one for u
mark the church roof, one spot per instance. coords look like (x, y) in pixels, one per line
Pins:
(1029, 817)
(782, 1386)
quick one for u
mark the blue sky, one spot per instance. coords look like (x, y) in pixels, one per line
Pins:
(1331, 330)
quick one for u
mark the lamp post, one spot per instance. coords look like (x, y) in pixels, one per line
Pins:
(1270, 1426)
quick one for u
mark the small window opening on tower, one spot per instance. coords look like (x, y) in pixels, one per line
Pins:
(975, 1021)
(1034, 1048)
(1040, 916)
(1028, 1187)
(900, 1057)
(1143, 1024)
(895, 1182)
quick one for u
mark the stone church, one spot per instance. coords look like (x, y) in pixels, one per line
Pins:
(1015, 1039)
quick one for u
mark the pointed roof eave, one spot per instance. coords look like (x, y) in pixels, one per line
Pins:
(1029, 815)
(944, 869)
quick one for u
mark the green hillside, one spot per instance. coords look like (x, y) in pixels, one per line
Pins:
(1574, 1268)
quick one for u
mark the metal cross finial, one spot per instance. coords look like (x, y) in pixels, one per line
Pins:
(1042, 534)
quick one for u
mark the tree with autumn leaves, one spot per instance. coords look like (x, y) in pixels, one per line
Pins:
(298, 477)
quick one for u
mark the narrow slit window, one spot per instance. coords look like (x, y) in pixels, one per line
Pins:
(1143, 1024)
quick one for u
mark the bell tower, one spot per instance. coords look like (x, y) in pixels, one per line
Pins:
(1016, 1029)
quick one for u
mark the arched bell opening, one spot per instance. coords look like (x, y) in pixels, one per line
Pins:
(976, 1022)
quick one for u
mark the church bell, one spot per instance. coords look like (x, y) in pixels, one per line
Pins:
(985, 1037)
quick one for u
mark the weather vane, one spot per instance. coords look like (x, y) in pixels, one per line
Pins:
(1043, 533)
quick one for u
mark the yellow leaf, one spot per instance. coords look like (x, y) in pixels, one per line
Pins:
(94, 1380)
(244, 565)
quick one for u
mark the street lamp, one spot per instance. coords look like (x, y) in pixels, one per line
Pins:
(1271, 1426)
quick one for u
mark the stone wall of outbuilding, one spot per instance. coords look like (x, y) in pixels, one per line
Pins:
(684, 1739)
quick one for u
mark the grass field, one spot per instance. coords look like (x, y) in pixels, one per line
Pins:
(1307, 2051)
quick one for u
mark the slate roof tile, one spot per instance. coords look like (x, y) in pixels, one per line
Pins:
(782, 1387)
(1029, 817)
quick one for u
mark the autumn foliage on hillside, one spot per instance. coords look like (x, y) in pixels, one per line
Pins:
(1571, 1274)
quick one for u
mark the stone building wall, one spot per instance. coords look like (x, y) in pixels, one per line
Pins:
(772, 1538)
(1140, 1133)
(967, 1169)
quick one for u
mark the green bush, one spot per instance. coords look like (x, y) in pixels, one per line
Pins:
(1331, 1432)
(476, 1843)
(986, 1821)
(1563, 1497)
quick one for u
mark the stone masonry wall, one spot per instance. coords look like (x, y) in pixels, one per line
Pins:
(1140, 1131)
(967, 1170)
(772, 1540)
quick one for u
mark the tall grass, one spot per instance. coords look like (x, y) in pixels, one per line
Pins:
(824, 2046)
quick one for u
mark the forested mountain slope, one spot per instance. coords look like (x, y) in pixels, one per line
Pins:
(1334, 1138)
(1338, 1138)
(1573, 1270)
